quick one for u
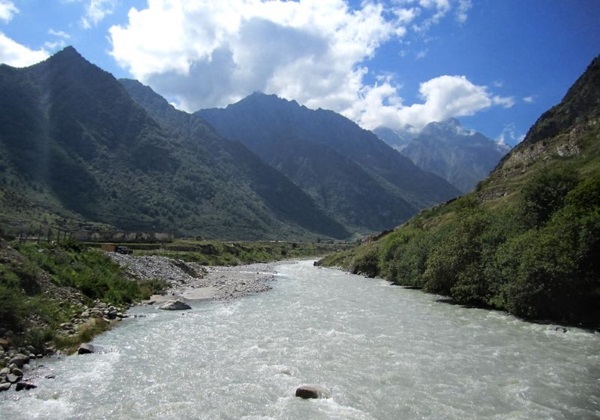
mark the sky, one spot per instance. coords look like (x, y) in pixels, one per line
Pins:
(495, 65)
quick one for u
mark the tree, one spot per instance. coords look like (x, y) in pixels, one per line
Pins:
(545, 193)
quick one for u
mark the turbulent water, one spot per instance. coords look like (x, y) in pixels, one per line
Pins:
(382, 352)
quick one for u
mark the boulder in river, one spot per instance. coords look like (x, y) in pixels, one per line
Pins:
(85, 348)
(312, 391)
(25, 385)
(5, 386)
(174, 305)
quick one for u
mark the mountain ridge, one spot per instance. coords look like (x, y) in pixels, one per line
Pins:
(78, 149)
(527, 240)
(461, 156)
(275, 129)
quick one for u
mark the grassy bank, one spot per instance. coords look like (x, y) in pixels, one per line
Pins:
(46, 288)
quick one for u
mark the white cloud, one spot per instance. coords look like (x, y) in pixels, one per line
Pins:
(203, 53)
(57, 44)
(509, 137)
(96, 10)
(211, 52)
(443, 97)
(422, 54)
(11, 52)
(503, 101)
(529, 99)
(462, 10)
(7, 10)
(17, 55)
(60, 34)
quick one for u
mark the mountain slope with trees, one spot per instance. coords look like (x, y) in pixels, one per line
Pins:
(349, 172)
(528, 239)
(78, 151)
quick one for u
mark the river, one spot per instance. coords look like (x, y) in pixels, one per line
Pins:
(382, 352)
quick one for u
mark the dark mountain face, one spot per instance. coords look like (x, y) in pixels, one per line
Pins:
(347, 170)
(234, 161)
(75, 145)
(558, 132)
(462, 157)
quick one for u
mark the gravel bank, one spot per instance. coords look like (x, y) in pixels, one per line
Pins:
(192, 281)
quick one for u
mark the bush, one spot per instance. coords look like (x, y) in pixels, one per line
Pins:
(12, 308)
(366, 262)
(545, 193)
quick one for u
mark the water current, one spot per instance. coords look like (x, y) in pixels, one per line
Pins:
(382, 352)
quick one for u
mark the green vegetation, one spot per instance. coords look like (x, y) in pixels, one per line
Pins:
(537, 259)
(236, 253)
(76, 150)
(43, 286)
(527, 240)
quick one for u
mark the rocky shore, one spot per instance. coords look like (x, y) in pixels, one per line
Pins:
(187, 282)
(191, 281)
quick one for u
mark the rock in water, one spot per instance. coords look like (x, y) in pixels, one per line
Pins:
(25, 385)
(174, 305)
(311, 391)
(85, 348)
(5, 386)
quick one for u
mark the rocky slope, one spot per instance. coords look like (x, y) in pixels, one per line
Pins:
(462, 157)
(350, 173)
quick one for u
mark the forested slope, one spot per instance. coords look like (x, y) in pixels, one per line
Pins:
(527, 240)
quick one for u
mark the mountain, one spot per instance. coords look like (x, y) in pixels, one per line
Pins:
(78, 151)
(527, 240)
(397, 139)
(565, 131)
(460, 156)
(350, 173)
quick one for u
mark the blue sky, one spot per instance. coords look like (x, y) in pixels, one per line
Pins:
(496, 65)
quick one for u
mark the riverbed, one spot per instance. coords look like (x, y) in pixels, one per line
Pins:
(380, 351)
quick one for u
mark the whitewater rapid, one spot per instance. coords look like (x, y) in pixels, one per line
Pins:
(382, 352)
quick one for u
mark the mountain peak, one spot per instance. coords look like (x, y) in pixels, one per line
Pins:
(577, 114)
(67, 53)
(582, 99)
(449, 126)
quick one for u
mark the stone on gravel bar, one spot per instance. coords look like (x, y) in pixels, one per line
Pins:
(174, 305)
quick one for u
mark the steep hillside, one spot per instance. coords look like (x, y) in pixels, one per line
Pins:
(528, 239)
(460, 156)
(351, 173)
(234, 161)
(77, 149)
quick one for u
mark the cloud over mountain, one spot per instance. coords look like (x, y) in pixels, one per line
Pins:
(204, 54)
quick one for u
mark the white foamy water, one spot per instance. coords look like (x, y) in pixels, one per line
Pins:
(383, 352)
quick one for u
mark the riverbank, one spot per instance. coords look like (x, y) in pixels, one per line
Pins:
(186, 281)
(381, 352)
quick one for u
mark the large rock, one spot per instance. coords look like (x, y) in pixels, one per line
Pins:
(312, 391)
(12, 378)
(25, 385)
(19, 359)
(5, 343)
(5, 386)
(85, 348)
(174, 305)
